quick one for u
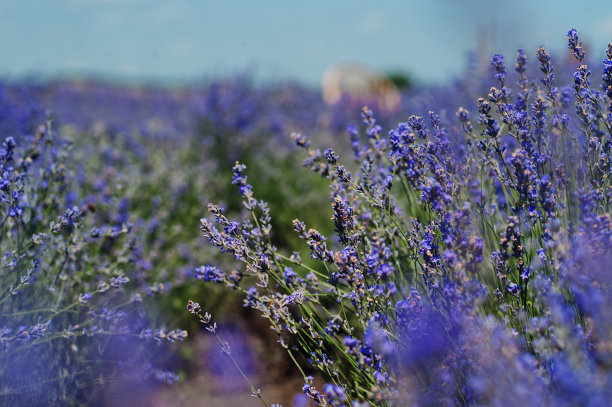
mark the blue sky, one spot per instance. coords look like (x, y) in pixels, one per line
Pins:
(186, 40)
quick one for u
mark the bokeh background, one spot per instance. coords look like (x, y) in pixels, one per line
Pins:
(162, 97)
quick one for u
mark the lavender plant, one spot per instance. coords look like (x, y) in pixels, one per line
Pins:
(72, 321)
(469, 260)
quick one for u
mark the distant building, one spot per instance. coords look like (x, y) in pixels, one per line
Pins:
(359, 82)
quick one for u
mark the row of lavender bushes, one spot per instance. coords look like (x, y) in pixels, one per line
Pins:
(470, 258)
(100, 201)
(73, 307)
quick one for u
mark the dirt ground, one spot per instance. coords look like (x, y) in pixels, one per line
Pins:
(212, 379)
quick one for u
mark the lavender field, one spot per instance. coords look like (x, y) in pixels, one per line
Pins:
(231, 243)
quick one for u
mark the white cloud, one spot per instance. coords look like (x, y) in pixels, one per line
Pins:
(370, 22)
(164, 14)
(603, 28)
(182, 49)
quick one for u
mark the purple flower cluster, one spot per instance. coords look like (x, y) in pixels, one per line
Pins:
(468, 263)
